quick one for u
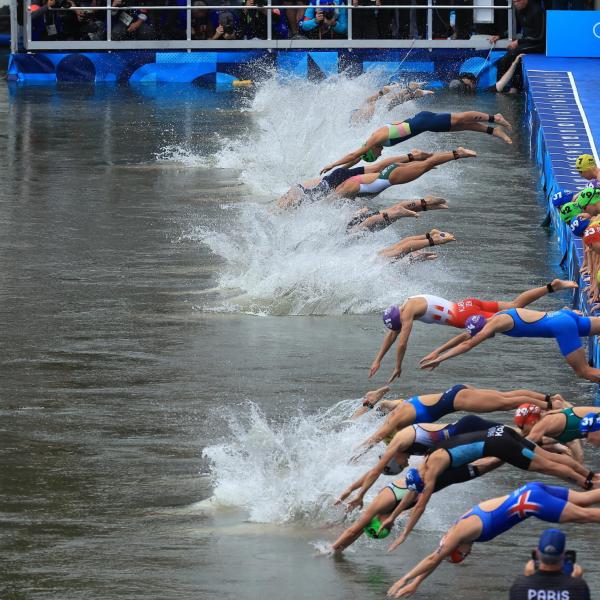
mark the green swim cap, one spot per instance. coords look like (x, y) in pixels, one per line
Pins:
(369, 155)
(373, 527)
(569, 211)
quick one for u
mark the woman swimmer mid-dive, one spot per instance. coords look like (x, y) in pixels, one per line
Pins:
(433, 309)
(371, 180)
(491, 518)
(565, 326)
(394, 133)
(428, 408)
(377, 519)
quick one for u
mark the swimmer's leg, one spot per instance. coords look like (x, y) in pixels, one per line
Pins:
(572, 513)
(548, 463)
(578, 361)
(495, 131)
(383, 504)
(526, 298)
(458, 120)
(484, 400)
(413, 170)
(414, 243)
(385, 217)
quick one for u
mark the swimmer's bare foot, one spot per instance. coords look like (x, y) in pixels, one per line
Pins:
(461, 152)
(498, 118)
(374, 396)
(435, 203)
(563, 284)
(440, 237)
(415, 85)
(558, 402)
(420, 93)
(499, 133)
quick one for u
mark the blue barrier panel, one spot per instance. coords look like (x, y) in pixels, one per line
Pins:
(571, 33)
(557, 136)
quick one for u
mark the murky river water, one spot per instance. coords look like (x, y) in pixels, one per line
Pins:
(152, 308)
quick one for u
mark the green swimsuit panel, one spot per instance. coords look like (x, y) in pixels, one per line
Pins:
(385, 173)
(571, 431)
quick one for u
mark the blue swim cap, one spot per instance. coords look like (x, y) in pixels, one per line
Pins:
(414, 481)
(590, 423)
(475, 323)
(578, 225)
(391, 317)
(562, 197)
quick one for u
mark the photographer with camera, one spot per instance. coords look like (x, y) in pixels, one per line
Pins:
(324, 19)
(130, 24)
(552, 572)
(254, 22)
(226, 28)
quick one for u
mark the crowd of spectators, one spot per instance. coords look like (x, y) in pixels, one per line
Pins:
(319, 19)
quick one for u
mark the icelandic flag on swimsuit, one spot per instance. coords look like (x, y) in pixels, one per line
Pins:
(523, 507)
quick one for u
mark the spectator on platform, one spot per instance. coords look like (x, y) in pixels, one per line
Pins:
(294, 16)
(90, 24)
(254, 22)
(226, 26)
(130, 24)
(46, 24)
(201, 26)
(323, 19)
(364, 22)
(531, 20)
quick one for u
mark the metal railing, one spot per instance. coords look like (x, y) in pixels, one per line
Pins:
(477, 42)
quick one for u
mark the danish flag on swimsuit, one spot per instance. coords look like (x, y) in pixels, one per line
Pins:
(523, 508)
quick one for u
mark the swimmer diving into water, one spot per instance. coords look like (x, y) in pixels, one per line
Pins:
(394, 94)
(373, 179)
(377, 519)
(500, 442)
(433, 309)
(428, 408)
(414, 440)
(565, 326)
(394, 133)
(491, 518)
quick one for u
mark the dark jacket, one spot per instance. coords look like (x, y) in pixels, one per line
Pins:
(538, 586)
(532, 24)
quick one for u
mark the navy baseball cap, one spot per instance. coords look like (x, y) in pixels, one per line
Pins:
(552, 542)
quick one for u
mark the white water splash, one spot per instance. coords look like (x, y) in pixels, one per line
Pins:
(290, 471)
(303, 262)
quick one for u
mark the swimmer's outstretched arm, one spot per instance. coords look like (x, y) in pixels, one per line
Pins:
(370, 477)
(353, 486)
(488, 331)
(406, 503)
(376, 139)
(451, 343)
(428, 565)
(407, 323)
(388, 340)
(419, 508)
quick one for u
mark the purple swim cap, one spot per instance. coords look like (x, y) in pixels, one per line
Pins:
(475, 323)
(391, 317)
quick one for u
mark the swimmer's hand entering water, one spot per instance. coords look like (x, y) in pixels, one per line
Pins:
(374, 368)
(399, 540)
(397, 372)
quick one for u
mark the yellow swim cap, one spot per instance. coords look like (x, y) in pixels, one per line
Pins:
(585, 162)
